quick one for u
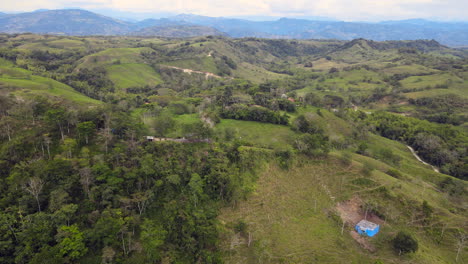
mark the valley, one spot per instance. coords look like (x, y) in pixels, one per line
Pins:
(210, 149)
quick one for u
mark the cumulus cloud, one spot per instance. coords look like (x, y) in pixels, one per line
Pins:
(341, 9)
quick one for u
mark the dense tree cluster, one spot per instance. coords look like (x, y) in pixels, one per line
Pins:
(442, 145)
(254, 113)
(87, 183)
(445, 109)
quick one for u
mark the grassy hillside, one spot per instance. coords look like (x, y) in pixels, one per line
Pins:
(287, 216)
(292, 218)
(111, 56)
(259, 134)
(125, 67)
(24, 83)
(132, 75)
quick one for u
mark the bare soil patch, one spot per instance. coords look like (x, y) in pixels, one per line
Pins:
(362, 241)
(351, 212)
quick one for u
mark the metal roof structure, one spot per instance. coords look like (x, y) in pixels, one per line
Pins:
(366, 225)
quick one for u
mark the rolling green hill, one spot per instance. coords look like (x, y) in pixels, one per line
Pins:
(24, 83)
(132, 75)
(111, 56)
(293, 216)
(217, 150)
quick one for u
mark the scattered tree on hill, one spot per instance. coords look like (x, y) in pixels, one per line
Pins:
(461, 243)
(405, 243)
(334, 101)
(303, 124)
(312, 99)
(312, 144)
(163, 124)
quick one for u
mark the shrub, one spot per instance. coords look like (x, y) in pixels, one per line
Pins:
(241, 226)
(319, 112)
(362, 149)
(197, 130)
(395, 173)
(304, 125)
(452, 187)
(229, 133)
(285, 157)
(179, 108)
(312, 145)
(388, 156)
(404, 242)
(363, 182)
(163, 124)
(286, 105)
(367, 169)
(346, 158)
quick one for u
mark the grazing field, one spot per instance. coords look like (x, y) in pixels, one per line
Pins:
(24, 83)
(66, 44)
(255, 73)
(459, 89)
(259, 134)
(113, 56)
(415, 82)
(133, 75)
(413, 69)
(291, 210)
(286, 217)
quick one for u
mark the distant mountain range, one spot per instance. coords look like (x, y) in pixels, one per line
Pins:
(82, 22)
(178, 31)
(66, 22)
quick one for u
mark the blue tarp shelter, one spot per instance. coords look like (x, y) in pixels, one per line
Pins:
(365, 227)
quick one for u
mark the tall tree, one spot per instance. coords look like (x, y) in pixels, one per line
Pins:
(86, 179)
(86, 129)
(152, 237)
(34, 186)
(71, 242)
(57, 118)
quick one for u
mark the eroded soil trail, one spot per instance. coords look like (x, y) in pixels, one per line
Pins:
(190, 71)
(422, 161)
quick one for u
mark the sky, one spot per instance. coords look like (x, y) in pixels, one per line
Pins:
(347, 10)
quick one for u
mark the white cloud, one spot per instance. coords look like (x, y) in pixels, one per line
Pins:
(341, 9)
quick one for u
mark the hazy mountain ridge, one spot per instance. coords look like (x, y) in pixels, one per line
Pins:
(151, 22)
(67, 22)
(82, 22)
(453, 34)
(178, 31)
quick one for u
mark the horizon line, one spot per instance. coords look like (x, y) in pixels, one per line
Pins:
(240, 17)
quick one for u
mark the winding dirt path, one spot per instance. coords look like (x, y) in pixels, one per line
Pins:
(422, 161)
(190, 71)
